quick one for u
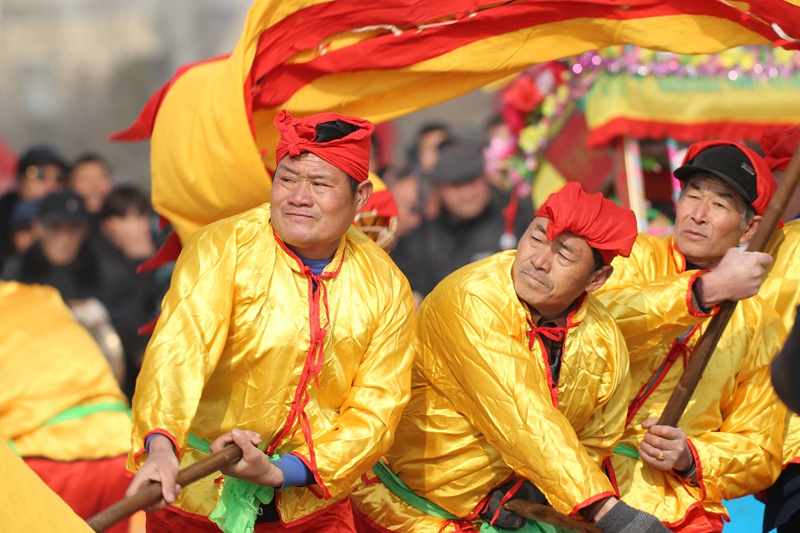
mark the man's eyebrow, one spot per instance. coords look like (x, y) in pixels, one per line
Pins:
(311, 175)
(317, 176)
(540, 227)
(567, 247)
(719, 191)
(724, 193)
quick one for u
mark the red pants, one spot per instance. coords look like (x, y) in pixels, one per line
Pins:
(88, 487)
(337, 518)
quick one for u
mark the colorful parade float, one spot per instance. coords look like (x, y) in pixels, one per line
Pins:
(617, 119)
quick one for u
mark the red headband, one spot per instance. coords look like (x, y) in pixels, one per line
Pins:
(349, 154)
(607, 227)
(779, 145)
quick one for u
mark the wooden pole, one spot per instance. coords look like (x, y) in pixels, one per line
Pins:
(705, 348)
(151, 494)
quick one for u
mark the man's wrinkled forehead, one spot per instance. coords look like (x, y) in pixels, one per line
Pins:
(710, 183)
(309, 164)
(564, 238)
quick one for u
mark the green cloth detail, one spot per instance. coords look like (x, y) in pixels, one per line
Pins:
(79, 411)
(199, 444)
(627, 451)
(240, 501)
(239, 504)
(401, 490)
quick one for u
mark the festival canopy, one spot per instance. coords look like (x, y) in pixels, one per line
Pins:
(734, 94)
(211, 130)
(568, 119)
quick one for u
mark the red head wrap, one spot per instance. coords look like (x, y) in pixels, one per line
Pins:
(765, 181)
(779, 145)
(607, 227)
(349, 154)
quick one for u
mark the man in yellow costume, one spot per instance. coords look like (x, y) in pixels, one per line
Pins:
(61, 408)
(284, 326)
(730, 437)
(518, 370)
(781, 289)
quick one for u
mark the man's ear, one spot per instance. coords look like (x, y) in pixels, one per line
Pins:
(363, 192)
(599, 277)
(751, 229)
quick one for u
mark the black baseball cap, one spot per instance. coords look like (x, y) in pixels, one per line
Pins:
(62, 205)
(728, 163)
(457, 164)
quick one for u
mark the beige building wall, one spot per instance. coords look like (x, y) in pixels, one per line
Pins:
(74, 71)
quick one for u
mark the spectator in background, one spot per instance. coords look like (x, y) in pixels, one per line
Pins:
(473, 223)
(94, 286)
(90, 177)
(406, 192)
(125, 222)
(422, 157)
(424, 152)
(40, 170)
(21, 225)
(500, 143)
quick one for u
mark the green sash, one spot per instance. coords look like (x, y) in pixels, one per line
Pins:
(402, 491)
(80, 411)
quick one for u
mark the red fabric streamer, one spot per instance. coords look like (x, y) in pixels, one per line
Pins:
(350, 153)
(779, 145)
(607, 227)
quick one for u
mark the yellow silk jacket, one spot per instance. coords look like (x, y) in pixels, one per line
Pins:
(734, 420)
(781, 289)
(48, 364)
(233, 349)
(481, 407)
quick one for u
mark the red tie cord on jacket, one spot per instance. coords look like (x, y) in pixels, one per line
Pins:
(312, 366)
(554, 333)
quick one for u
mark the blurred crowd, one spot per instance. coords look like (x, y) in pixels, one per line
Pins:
(70, 226)
(452, 209)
